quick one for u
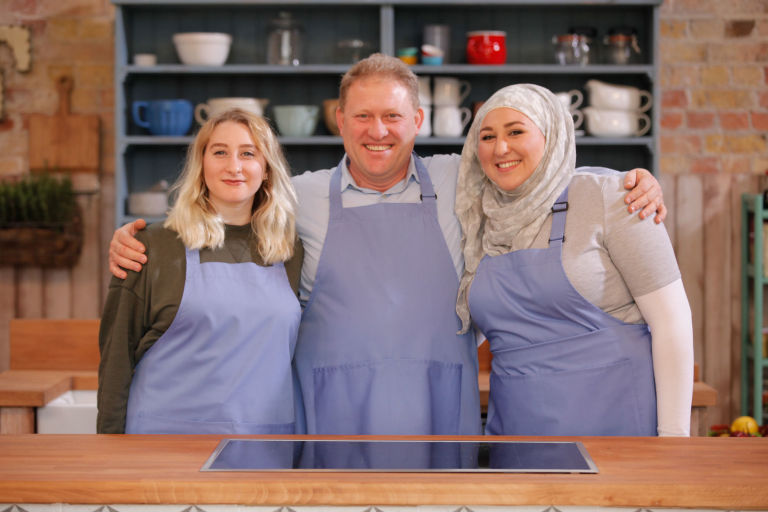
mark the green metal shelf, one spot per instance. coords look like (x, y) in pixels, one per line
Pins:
(753, 281)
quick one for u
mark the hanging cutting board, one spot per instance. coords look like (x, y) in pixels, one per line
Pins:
(64, 141)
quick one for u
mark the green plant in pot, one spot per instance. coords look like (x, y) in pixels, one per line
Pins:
(40, 222)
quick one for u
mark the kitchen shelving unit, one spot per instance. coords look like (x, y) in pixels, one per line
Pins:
(147, 26)
(754, 360)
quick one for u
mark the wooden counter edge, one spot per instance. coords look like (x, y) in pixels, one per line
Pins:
(711, 473)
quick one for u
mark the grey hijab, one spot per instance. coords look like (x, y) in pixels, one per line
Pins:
(496, 222)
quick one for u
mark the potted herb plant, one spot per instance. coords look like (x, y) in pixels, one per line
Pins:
(40, 222)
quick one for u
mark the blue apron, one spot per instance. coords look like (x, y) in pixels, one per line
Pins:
(224, 364)
(378, 351)
(561, 366)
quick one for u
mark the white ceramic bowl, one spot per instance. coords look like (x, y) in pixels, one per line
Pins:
(202, 48)
(296, 120)
(150, 204)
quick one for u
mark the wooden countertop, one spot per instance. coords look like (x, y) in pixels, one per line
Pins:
(634, 472)
(35, 388)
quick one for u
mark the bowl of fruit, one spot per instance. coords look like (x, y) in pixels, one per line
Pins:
(743, 426)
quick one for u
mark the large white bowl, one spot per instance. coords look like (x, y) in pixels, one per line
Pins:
(202, 48)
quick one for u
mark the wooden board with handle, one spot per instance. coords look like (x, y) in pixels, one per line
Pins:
(64, 141)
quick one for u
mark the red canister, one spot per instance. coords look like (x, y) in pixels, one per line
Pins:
(487, 47)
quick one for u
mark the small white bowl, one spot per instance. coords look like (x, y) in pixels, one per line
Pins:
(150, 204)
(202, 48)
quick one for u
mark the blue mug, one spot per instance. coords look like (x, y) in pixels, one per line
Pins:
(164, 117)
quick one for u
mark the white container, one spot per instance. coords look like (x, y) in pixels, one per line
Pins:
(74, 412)
(202, 48)
(151, 204)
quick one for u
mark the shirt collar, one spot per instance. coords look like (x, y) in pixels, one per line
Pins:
(400, 186)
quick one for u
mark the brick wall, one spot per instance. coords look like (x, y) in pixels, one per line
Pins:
(73, 37)
(714, 79)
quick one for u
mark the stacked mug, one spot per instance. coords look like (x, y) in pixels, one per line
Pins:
(617, 110)
(450, 118)
(572, 100)
(425, 100)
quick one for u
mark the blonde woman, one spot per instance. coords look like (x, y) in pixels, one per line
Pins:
(201, 339)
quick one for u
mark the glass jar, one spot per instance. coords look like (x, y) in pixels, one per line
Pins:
(621, 46)
(571, 49)
(285, 43)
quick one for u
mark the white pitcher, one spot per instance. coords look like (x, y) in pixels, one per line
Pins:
(449, 91)
(618, 97)
(450, 120)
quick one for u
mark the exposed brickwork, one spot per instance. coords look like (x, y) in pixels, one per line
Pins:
(734, 120)
(73, 37)
(700, 120)
(728, 106)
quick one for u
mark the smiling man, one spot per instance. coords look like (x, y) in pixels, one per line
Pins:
(378, 350)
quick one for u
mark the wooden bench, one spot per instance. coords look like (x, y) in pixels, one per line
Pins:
(703, 395)
(48, 357)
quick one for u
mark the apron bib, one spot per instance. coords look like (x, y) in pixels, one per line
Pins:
(378, 351)
(561, 366)
(224, 364)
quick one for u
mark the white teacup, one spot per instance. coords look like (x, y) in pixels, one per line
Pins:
(214, 106)
(616, 123)
(450, 91)
(618, 97)
(425, 92)
(426, 126)
(450, 120)
(571, 99)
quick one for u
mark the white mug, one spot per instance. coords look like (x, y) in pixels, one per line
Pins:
(426, 126)
(450, 91)
(450, 120)
(571, 99)
(425, 92)
(214, 106)
(618, 97)
(616, 123)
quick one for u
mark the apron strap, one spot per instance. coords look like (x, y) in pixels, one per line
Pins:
(559, 209)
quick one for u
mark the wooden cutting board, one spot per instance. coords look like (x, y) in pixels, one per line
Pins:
(64, 141)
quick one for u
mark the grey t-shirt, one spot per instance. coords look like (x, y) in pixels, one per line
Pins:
(609, 255)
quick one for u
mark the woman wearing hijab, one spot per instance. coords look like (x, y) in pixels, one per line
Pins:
(583, 305)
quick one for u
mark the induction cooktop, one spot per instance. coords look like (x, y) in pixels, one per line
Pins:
(400, 456)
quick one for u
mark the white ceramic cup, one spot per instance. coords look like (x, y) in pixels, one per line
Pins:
(618, 97)
(449, 91)
(571, 99)
(616, 123)
(214, 106)
(450, 120)
(425, 91)
(296, 120)
(426, 126)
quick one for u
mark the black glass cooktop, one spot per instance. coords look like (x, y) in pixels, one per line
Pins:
(395, 456)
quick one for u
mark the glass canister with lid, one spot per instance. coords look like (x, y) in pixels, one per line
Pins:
(285, 43)
(574, 47)
(620, 46)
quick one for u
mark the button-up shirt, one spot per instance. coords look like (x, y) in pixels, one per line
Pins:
(313, 208)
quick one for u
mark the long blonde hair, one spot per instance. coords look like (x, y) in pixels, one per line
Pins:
(194, 217)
